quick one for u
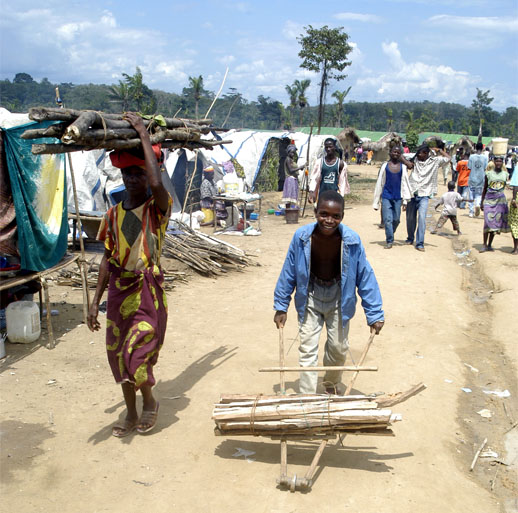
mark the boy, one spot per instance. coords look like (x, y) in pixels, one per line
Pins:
(325, 265)
(136, 316)
(450, 200)
(463, 172)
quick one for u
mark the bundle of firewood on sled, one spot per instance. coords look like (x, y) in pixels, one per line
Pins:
(83, 130)
(307, 415)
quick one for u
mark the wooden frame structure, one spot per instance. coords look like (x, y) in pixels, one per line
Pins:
(305, 483)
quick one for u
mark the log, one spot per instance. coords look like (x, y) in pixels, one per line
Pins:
(56, 131)
(57, 114)
(78, 128)
(55, 149)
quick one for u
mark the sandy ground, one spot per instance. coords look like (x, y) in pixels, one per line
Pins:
(444, 309)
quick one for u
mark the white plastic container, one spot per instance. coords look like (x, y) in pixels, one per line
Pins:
(231, 183)
(499, 145)
(23, 322)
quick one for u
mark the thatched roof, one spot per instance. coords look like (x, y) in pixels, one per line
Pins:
(348, 139)
(384, 144)
(466, 143)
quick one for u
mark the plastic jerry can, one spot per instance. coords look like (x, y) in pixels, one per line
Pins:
(23, 322)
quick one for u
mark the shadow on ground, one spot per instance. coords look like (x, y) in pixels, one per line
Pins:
(171, 394)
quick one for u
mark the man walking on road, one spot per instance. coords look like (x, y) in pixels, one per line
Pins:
(423, 184)
(477, 164)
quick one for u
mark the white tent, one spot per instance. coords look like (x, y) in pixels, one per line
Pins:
(248, 148)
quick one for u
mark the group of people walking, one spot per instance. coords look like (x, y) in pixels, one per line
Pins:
(409, 185)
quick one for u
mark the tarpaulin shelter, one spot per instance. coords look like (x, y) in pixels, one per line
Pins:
(37, 187)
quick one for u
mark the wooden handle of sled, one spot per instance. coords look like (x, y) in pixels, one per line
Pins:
(362, 359)
(281, 360)
(319, 368)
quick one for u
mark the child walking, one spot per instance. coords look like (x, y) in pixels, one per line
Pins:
(133, 232)
(450, 200)
(325, 266)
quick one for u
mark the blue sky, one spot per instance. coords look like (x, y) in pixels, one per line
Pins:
(439, 50)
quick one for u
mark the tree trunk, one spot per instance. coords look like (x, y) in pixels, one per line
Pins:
(323, 84)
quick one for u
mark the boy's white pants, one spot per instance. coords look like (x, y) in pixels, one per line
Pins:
(323, 307)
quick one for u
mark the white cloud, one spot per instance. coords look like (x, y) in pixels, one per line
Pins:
(416, 80)
(485, 24)
(356, 16)
(292, 29)
(226, 60)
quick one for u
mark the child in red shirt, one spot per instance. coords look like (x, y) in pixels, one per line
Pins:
(462, 180)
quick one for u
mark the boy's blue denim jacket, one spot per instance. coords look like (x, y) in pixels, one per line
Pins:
(357, 274)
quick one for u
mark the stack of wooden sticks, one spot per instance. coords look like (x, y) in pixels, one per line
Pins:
(88, 130)
(307, 415)
(205, 254)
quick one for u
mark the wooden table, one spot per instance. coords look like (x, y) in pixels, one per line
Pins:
(7, 283)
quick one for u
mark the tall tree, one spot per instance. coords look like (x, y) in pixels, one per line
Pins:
(293, 95)
(340, 98)
(324, 51)
(481, 106)
(302, 86)
(120, 94)
(135, 85)
(196, 84)
(390, 119)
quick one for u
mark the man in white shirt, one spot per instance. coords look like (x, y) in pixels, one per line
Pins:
(477, 164)
(423, 184)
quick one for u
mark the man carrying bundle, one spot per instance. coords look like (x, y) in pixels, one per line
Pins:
(325, 266)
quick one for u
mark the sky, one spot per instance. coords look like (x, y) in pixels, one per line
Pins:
(439, 50)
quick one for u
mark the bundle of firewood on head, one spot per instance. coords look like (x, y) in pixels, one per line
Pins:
(83, 130)
(306, 414)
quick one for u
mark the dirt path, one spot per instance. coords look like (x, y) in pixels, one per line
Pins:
(57, 452)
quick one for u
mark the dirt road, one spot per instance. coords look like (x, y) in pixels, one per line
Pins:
(449, 323)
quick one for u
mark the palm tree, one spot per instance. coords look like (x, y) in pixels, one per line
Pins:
(135, 86)
(340, 97)
(302, 86)
(390, 119)
(121, 94)
(196, 84)
(293, 94)
(408, 116)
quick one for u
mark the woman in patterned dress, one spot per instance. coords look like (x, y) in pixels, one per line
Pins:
(133, 231)
(494, 203)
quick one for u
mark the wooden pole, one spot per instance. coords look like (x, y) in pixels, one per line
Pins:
(318, 368)
(218, 93)
(362, 359)
(190, 183)
(82, 266)
(306, 173)
(281, 360)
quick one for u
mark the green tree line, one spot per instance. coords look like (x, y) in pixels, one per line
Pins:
(232, 110)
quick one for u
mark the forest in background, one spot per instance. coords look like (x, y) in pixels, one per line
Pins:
(232, 110)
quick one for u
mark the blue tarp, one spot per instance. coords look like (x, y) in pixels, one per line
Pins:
(39, 194)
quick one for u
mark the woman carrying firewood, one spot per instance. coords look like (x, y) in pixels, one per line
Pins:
(133, 231)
